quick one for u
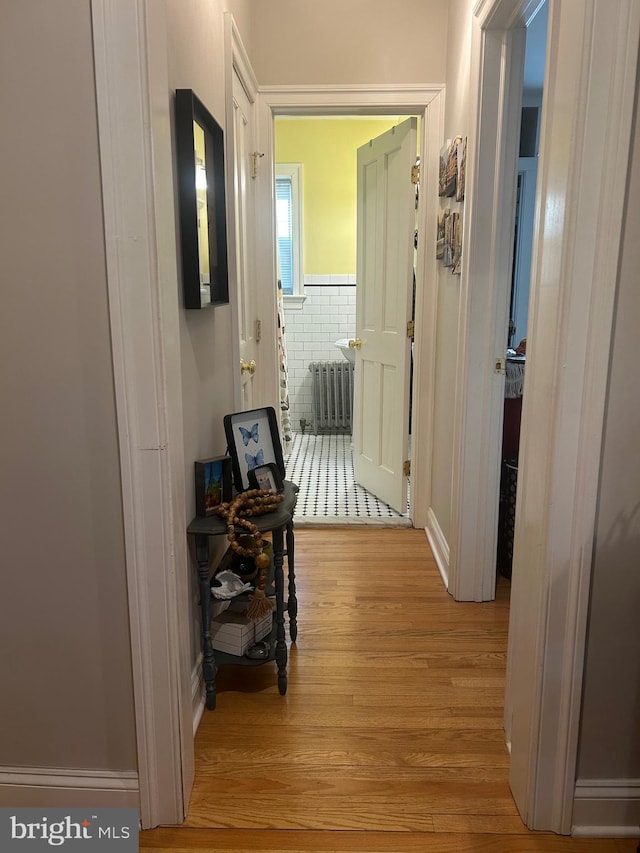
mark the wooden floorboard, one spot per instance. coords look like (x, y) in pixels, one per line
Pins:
(390, 737)
(311, 841)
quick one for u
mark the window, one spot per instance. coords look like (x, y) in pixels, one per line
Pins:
(289, 228)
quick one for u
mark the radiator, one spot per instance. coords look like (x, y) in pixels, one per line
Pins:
(332, 395)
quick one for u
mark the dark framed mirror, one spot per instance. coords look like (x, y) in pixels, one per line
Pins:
(202, 203)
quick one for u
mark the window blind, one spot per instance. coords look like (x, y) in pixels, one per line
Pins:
(284, 225)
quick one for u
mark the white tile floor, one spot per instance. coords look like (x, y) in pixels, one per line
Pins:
(322, 467)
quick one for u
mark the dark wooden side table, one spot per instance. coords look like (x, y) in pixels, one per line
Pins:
(279, 524)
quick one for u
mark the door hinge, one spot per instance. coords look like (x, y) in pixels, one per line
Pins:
(258, 332)
(415, 174)
(501, 365)
(406, 468)
(411, 329)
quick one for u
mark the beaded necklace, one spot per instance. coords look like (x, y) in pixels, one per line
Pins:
(236, 513)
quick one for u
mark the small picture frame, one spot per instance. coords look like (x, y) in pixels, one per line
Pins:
(456, 250)
(266, 477)
(462, 169)
(253, 440)
(213, 484)
(448, 168)
(440, 234)
(447, 251)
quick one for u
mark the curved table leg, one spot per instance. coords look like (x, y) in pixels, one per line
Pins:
(292, 606)
(281, 646)
(209, 668)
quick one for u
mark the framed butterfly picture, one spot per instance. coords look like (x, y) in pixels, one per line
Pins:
(253, 440)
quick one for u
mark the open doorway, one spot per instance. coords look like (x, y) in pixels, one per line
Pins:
(428, 104)
(516, 356)
(316, 237)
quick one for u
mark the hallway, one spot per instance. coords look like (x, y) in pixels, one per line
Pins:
(390, 736)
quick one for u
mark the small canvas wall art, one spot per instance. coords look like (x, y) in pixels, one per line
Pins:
(213, 483)
(449, 168)
(462, 168)
(451, 185)
(447, 254)
(440, 235)
(456, 235)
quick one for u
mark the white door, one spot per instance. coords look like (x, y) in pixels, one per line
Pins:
(386, 225)
(244, 207)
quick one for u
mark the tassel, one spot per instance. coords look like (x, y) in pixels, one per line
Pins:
(259, 605)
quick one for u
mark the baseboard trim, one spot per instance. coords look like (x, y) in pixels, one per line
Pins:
(439, 546)
(606, 808)
(197, 693)
(51, 787)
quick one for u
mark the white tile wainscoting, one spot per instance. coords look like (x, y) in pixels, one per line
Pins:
(327, 314)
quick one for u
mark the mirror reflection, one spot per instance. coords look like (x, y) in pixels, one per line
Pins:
(203, 215)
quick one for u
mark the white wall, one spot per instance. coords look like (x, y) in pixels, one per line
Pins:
(65, 667)
(196, 59)
(457, 123)
(329, 313)
(610, 734)
(242, 11)
(362, 41)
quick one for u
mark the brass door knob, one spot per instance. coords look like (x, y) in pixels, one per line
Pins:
(355, 343)
(248, 366)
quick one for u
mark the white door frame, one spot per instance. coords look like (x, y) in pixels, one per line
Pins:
(492, 156)
(428, 102)
(134, 128)
(586, 124)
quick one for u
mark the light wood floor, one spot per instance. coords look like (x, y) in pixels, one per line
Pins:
(390, 736)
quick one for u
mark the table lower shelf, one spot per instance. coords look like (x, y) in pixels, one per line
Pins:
(228, 659)
(213, 660)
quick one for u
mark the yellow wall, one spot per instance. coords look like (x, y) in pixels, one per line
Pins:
(327, 150)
